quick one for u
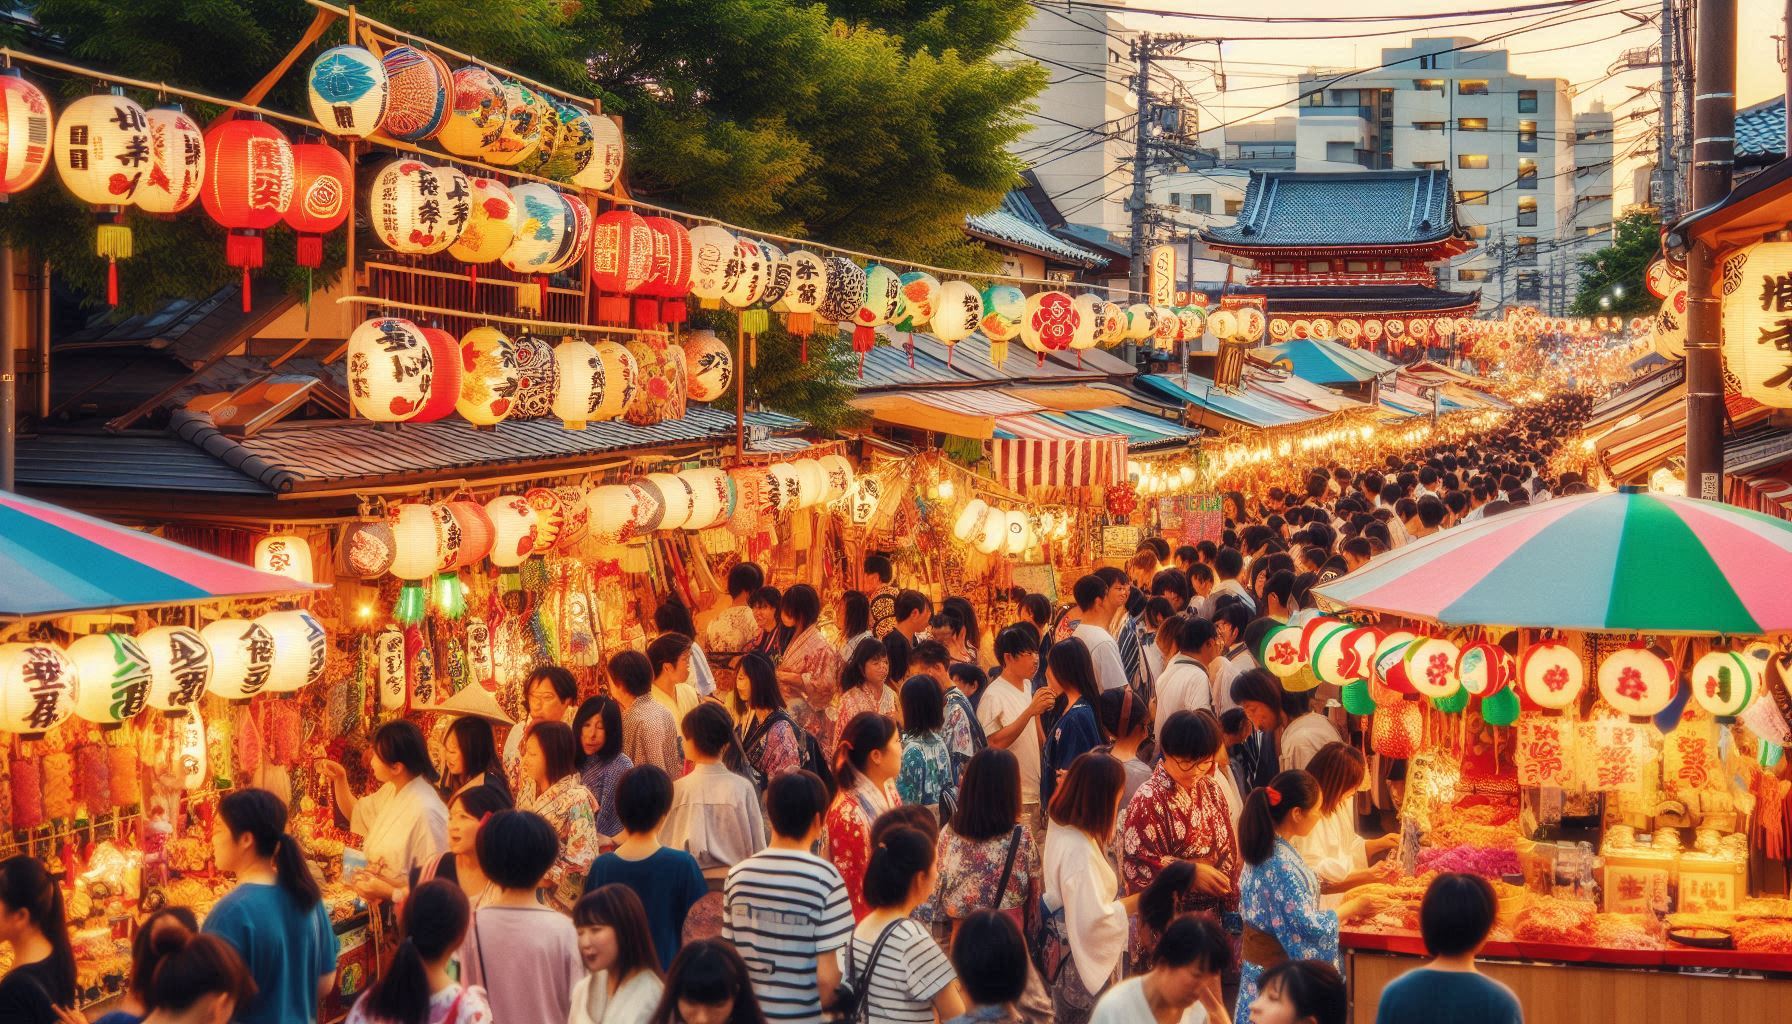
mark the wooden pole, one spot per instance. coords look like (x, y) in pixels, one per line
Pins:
(740, 390)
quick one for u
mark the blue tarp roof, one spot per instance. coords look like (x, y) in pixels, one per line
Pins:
(1324, 361)
(1198, 391)
(1141, 428)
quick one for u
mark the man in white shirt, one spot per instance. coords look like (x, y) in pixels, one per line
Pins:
(1306, 732)
(1098, 600)
(1009, 714)
(1230, 658)
(1184, 684)
(1228, 567)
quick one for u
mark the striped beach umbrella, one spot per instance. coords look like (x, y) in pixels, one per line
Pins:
(1627, 561)
(57, 562)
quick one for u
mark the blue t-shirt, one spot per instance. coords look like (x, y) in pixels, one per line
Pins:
(288, 950)
(1424, 995)
(1074, 734)
(669, 884)
(119, 1017)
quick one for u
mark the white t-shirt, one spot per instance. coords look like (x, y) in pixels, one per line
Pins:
(1003, 703)
(404, 828)
(1125, 1004)
(633, 1003)
(1333, 849)
(1182, 687)
(1104, 651)
(1302, 739)
(909, 972)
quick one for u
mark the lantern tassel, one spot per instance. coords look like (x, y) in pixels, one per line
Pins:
(752, 351)
(111, 282)
(647, 313)
(863, 338)
(410, 606)
(113, 241)
(473, 281)
(528, 296)
(450, 595)
(310, 251)
(673, 312)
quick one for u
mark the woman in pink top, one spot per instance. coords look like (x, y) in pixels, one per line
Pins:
(523, 954)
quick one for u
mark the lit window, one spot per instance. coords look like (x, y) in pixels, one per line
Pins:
(1319, 266)
(1233, 206)
(1527, 101)
(1527, 136)
(1471, 274)
(1428, 84)
(1471, 161)
(1471, 87)
(1357, 266)
(1471, 124)
(1471, 197)
(1478, 232)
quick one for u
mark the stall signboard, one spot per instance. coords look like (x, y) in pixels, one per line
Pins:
(1191, 518)
(1120, 542)
(1037, 578)
(1162, 282)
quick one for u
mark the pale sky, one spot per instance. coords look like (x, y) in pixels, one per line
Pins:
(1582, 46)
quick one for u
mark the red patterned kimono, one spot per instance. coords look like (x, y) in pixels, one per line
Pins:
(1166, 823)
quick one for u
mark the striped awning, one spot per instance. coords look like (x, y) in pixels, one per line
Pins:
(1768, 492)
(962, 412)
(1031, 450)
(1650, 442)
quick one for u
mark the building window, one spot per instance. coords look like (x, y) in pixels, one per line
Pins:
(1344, 97)
(1527, 101)
(1203, 202)
(1471, 87)
(1319, 266)
(1233, 206)
(1527, 286)
(1428, 165)
(1471, 197)
(1428, 61)
(1471, 161)
(1435, 85)
(1471, 124)
(1478, 232)
(1357, 266)
(1176, 199)
(1527, 136)
(1525, 253)
(1392, 266)
(1427, 126)
(1282, 267)
(1471, 274)
(1316, 98)
(1527, 212)
(1527, 173)
(1340, 152)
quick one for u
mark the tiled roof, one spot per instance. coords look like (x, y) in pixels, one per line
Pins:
(1016, 222)
(1356, 208)
(1761, 131)
(187, 329)
(887, 365)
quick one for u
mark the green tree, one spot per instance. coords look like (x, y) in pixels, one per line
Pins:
(1611, 279)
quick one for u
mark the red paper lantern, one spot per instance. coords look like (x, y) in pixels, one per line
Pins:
(249, 183)
(670, 278)
(25, 121)
(622, 259)
(444, 385)
(321, 197)
(1398, 729)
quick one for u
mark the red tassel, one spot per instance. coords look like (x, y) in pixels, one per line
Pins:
(863, 338)
(112, 282)
(1042, 360)
(647, 312)
(673, 312)
(246, 289)
(473, 280)
(310, 252)
(612, 309)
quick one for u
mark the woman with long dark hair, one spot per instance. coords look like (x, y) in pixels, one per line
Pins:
(767, 734)
(624, 984)
(809, 670)
(1069, 672)
(855, 622)
(708, 983)
(1086, 926)
(601, 762)
(405, 820)
(985, 850)
(417, 988)
(471, 758)
(32, 924)
(274, 916)
(866, 762)
(553, 788)
(773, 634)
(926, 778)
(864, 683)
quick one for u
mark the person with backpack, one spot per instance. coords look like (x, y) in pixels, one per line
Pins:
(962, 733)
(892, 970)
(926, 779)
(767, 733)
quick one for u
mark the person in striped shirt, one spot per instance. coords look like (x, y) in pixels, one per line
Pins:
(786, 909)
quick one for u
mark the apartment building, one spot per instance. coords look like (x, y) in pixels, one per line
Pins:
(1593, 178)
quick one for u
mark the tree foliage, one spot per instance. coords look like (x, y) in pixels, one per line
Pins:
(1637, 241)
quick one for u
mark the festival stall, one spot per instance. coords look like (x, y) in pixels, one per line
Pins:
(1590, 699)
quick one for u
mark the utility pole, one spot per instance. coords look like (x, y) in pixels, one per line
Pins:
(1666, 179)
(1713, 155)
(1141, 55)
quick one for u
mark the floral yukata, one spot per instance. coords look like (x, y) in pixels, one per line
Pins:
(926, 770)
(848, 836)
(1281, 898)
(1166, 823)
(570, 808)
(810, 702)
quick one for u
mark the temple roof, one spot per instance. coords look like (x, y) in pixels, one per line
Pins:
(1305, 208)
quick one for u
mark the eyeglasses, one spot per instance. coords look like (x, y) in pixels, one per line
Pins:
(1202, 767)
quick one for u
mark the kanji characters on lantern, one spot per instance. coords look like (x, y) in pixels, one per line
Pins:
(1636, 681)
(1551, 674)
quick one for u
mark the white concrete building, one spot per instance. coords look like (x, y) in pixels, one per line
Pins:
(1197, 199)
(1593, 177)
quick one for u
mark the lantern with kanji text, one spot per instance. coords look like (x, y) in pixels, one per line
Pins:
(249, 182)
(492, 218)
(1636, 681)
(661, 299)
(25, 130)
(284, 554)
(300, 649)
(38, 686)
(605, 166)
(114, 676)
(242, 658)
(322, 184)
(622, 261)
(391, 369)
(1723, 683)
(349, 90)
(176, 162)
(488, 377)
(180, 667)
(103, 157)
(417, 209)
(578, 383)
(1757, 322)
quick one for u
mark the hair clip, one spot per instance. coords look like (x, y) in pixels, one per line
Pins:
(1275, 796)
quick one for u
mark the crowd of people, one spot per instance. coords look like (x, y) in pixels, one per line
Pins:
(1106, 811)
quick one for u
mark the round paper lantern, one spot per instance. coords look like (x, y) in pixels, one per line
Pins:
(548, 230)
(1420, 330)
(322, 184)
(1444, 326)
(679, 500)
(300, 650)
(1431, 666)
(550, 517)
(1168, 324)
(714, 494)
(840, 476)
(573, 144)
(1551, 674)
(520, 134)
(650, 505)
(811, 483)
(24, 134)
(1251, 323)
(1004, 309)
(180, 666)
(1194, 323)
(284, 554)
(1280, 329)
(38, 687)
(1356, 699)
(669, 280)
(1223, 323)
(349, 91)
(1395, 329)
(662, 394)
(622, 261)
(1018, 532)
(883, 295)
(242, 658)
(416, 552)
(709, 367)
(1111, 326)
(1371, 330)
(994, 533)
(176, 161)
(808, 283)
(1723, 682)
(418, 209)
(488, 377)
(102, 153)
(612, 510)
(390, 369)
(1390, 663)
(607, 150)
(114, 677)
(969, 524)
(1050, 322)
(422, 94)
(1636, 681)
(249, 182)
(476, 532)
(622, 379)
(1357, 660)
(918, 301)
(1330, 651)
(1350, 329)
(513, 530)
(576, 525)
(578, 383)
(777, 274)
(492, 219)
(367, 549)
(712, 247)
(535, 377)
(958, 313)
(1141, 322)
(1301, 329)
(1397, 730)
(846, 290)
(444, 386)
(784, 487)
(1280, 652)
(1485, 669)
(477, 114)
(1323, 328)
(744, 275)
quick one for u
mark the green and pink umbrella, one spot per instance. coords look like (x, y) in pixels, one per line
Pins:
(1627, 561)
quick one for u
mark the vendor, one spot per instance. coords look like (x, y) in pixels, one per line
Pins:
(1334, 849)
(404, 823)
(551, 692)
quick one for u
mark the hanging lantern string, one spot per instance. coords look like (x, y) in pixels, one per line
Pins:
(412, 307)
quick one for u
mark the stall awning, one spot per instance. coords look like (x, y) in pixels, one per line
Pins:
(964, 412)
(1305, 392)
(1647, 444)
(1645, 395)
(1141, 429)
(1034, 450)
(1247, 408)
(1327, 362)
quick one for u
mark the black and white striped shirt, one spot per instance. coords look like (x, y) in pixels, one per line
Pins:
(909, 972)
(785, 908)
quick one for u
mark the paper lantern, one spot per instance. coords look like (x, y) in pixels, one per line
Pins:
(1017, 532)
(845, 292)
(476, 532)
(1485, 669)
(444, 385)
(422, 94)
(1431, 667)
(1141, 322)
(180, 667)
(574, 146)
(864, 499)
(1723, 682)
(322, 187)
(24, 132)
(1444, 326)
(488, 377)
(1395, 329)
(38, 687)
(744, 275)
(1301, 329)
(783, 487)
(811, 483)
(709, 367)
(548, 227)
(711, 249)
(477, 114)
(1168, 324)
(662, 392)
(969, 524)
(389, 667)
(1004, 309)
(103, 158)
(1051, 320)
(650, 505)
(1323, 328)
(550, 517)
(576, 524)
(390, 369)
(808, 283)
(415, 554)
(1420, 330)
(1281, 652)
(622, 261)
(513, 530)
(713, 495)
(1280, 329)
(417, 209)
(918, 302)
(883, 298)
(777, 274)
(349, 91)
(1111, 327)
(1194, 323)
(1551, 674)
(520, 133)
(994, 532)
(1757, 321)
(1390, 663)
(284, 554)
(604, 168)
(661, 299)
(578, 383)
(612, 510)
(840, 476)
(957, 314)
(492, 220)
(1356, 698)
(301, 650)
(242, 658)
(1636, 681)
(1398, 729)
(679, 501)
(114, 677)
(176, 162)
(622, 379)
(535, 377)
(367, 549)
(249, 183)
(552, 121)
(1330, 652)
(1371, 330)
(1223, 324)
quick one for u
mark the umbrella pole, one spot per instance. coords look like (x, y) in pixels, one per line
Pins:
(9, 378)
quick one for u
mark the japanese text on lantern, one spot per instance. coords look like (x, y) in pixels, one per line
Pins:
(46, 680)
(1542, 757)
(270, 174)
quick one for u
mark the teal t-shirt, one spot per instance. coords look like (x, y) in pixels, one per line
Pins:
(288, 950)
(1425, 996)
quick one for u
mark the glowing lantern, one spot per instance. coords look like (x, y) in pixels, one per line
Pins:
(969, 524)
(390, 369)
(488, 377)
(661, 299)
(846, 290)
(535, 377)
(994, 533)
(1017, 532)
(1323, 329)
(476, 532)
(919, 300)
(418, 209)
(444, 385)
(551, 234)
(551, 124)
(301, 650)
(1194, 323)
(883, 295)
(550, 517)
(680, 502)
(744, 276)
(1223, 323)
(1397, 730)
(1395, 329)
(367, 549)
(574, 145)
(1281, 652)
(349, 91)
(1551, 674)
(612, 510)
(1330, 651)
(284, 554)
(388, 658)
(1431, 667)
(1111, 326)
(492, 218)
(322, 184)
(622, 379)
(811, 483)
(114, 677)
(249, 182)
(1051, 320)
(578, 383)
(180, 667)
(38, 686)
(1444, 326)
(242, 658)
(957, 314)
(520, 134)
(650, 505)
(1636, 681)
(415, 556)
(1419, 330)
(1390, 663)
(661, 395)
(1168, 326)
(1723, 682)
(176, 162)
(25, 126)
(607, 150)
(1755, 311)
(576, 525)
(1280, 329)
(714, 497)
(1356, 662)
(1004, 308)
(422, 94)
(709, 367)
(622, 261)
(103, 158)
(1088, 327)
(1251, 323)
(840, 476)
(711, 249)
(1371, 330)
(863, 500)
(513, 530)
(784, 487)
(1141, 322)
(1485, 669)
(477, 114)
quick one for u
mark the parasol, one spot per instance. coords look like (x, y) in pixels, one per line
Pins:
(1626, 561)
(56, 562)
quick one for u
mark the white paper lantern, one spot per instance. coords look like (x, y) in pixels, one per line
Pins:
(883, 293)
(349, 91)
(576, 520)
(1223, 324)
(1163, 335)
(1281, 652)
(811, 483)
(1431, 666)
(389, 674)
(415, 553)
(242, 656)
(513, 530)
(622, 379)
(102, 149)
(785, 485)
(605, 166)
(808, 283)
(1019, 532)
(301, 649)
(1724, 683)
(114, 676)
(744, 275)
(969, 524)
(1251, 323)
(680, 501)
(958, 312)
(709, 366)
(38, 686)
(579, 385)
(650, 505)
(417, 209)
(712, 247)
(1551, 674)
(613, 510)
(549, 232)
(176, 162)
(284, 554)
(1636, 681)
(1088, 321)
(840, 476)
(713, 497)
(1141, 322)
(1757, 321)
(550, 517)
(390, 369)
(180, 667)
(992, 535)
